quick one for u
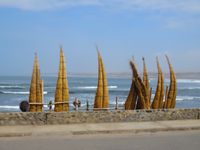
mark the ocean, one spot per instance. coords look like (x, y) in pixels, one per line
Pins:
(15, 89)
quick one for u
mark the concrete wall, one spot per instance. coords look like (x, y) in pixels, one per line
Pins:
(49, 118)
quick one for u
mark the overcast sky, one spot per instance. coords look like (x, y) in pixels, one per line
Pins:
(120, 28)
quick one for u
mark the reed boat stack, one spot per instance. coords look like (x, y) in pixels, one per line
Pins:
(159, 95)
(171, 94)
(36, 89)
(139, 97)
(62, 90)
(140, 92)
(102, 94)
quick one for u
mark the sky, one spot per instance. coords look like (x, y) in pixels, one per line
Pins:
(122, 29)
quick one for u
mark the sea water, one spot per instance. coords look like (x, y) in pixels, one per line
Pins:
(15, 89)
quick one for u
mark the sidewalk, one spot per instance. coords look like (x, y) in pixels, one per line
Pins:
(99, 128)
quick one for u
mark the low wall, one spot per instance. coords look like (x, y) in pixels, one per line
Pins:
(50, 118)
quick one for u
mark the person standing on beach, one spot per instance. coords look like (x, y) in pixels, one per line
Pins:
(50, 105)
(76, 103)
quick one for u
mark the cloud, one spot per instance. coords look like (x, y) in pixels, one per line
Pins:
(173, 14)
(192, 6)
(164, 5)
(44, 4)
(181, 22)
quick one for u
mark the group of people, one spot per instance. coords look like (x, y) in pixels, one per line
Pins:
(76, 103)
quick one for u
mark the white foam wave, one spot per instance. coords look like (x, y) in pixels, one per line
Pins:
(20, 93)
(113, 87)
(181, 98)
(11, 86)
(188, 81)
(9, 107)
(119, 103)
(189, 88)
(87, 87)
(95, 87)
(10, 92)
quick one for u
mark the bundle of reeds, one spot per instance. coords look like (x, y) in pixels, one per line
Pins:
(36, 89)
(159, 95)
(102, 93)
(171, 94)
(146, 84)
(132, 97)
(62, 90)
(140, 92)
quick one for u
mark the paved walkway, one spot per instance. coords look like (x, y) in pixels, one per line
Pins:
(172, 140)
(99, 128)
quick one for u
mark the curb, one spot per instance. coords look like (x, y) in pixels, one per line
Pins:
(94, 132)
(15, 134)
(136, 131)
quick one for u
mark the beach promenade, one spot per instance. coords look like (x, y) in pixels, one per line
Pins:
(177, 134)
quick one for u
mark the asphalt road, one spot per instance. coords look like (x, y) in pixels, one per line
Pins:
(179, 140)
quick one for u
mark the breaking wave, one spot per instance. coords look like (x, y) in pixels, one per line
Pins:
(189, 88)
(188, 81)
(11, 87)
(9, 107)
(181, 98)
(95, 87)
(19, 93)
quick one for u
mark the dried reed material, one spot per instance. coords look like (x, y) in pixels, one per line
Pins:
(38, 88)
(41, 99)
(62, 90)
(159, 96)
(105, 102)
(32, 95)
(140, 88)
(146, 83)
(171, 97)
(65, 88)
(99, 91)
(102, 93)
(131, 100)
(35, 96)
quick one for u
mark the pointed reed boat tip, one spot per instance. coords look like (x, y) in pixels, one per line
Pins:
(98, 52)
(167, 59)
(97, 49)
(36, 58)
(131, 63)
(61, 48)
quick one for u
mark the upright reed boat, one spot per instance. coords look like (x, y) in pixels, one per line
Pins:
(36, 89)
(102, 94)
(62, 90)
